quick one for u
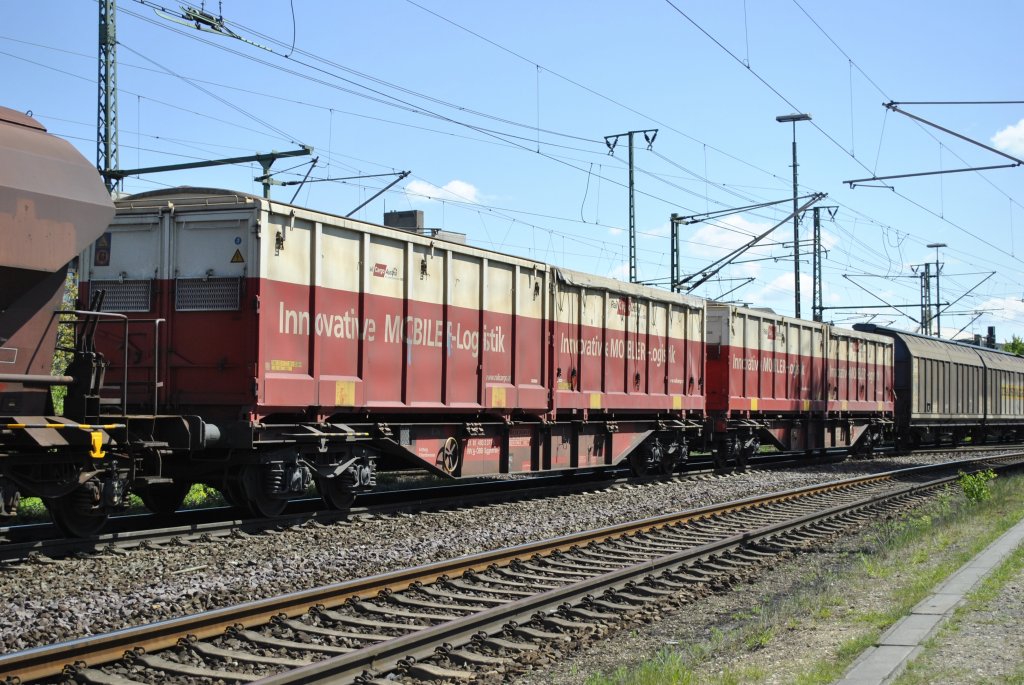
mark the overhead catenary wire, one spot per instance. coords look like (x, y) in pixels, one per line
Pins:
(644, 171)
(585, 165)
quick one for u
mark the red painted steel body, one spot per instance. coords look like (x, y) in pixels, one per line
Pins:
(803, 384)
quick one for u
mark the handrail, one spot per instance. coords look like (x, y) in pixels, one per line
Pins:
(157, 324)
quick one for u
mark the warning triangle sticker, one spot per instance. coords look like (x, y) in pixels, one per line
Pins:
(237, 257)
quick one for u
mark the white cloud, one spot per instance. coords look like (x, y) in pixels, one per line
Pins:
(710, 243)
(1011, 139)
(453, 191)
(1004, 313)
(614, 231)
(658, 233)
(619, 271)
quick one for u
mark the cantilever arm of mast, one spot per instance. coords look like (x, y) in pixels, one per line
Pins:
(718, 213)
(894, 106)
(262, 158)
(713, 268)
(862, 181)
(886, 305)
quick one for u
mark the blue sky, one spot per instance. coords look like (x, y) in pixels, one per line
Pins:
(500, 111)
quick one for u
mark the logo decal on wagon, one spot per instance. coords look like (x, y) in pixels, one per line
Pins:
(381, 270)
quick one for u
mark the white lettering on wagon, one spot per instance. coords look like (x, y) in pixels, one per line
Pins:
(345, 325)
(414, 330)
(417, 330)
(616, 349)
(768, 365)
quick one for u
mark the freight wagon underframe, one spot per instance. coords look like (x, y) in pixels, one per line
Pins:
(452, 447)
(737, 438)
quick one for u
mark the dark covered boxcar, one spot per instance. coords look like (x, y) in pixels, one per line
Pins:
(946, 391)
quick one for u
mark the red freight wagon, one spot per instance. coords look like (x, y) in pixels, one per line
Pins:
(301, 345)
(800, 385)
(623, 354)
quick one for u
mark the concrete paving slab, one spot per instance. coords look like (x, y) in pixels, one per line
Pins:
(899, 645)
(910, 630)
(961, 582)
(881, 663)
(939, 603)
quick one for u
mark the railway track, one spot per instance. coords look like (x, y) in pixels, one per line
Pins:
(43, 541)
(488, 612)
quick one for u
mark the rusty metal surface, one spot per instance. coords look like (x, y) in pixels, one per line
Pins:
(52, 205)
(52, 201)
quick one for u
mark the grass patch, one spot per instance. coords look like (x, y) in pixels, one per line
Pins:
(929, 667)
(670, 666)
(32, 509)
(900, 562)
(202, 495)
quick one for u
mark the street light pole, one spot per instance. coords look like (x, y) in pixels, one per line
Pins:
(785, 118)
(938, 293)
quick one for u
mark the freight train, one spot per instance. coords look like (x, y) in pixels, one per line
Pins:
(261, 347)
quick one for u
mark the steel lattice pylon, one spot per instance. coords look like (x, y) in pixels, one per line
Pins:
(106, 136)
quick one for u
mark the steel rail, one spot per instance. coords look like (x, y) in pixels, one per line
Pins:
(48, 661)
(423, 643)
(20, 542)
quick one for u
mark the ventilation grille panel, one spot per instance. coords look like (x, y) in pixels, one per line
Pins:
(124, 296)
(207, 294)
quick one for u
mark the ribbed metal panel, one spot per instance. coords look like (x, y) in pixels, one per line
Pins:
(125, 296)
(207, 294)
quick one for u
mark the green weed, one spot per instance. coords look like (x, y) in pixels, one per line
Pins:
(976, 486)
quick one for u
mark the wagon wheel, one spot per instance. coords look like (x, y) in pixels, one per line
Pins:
(639, 460)
(659, 458)
(73, 514)
(164, 498)
(744, 453)
(449, 456)
(667, 464)
(335, 493)
(233, 490)
(721, 455)
(675, 455)
(260, 502)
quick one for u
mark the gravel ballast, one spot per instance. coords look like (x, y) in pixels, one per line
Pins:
(70, 598)
(814, 611)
